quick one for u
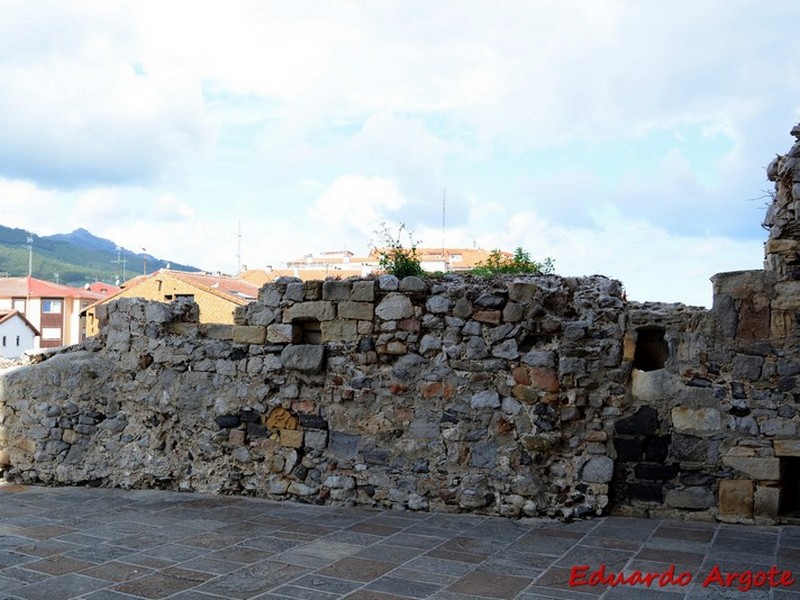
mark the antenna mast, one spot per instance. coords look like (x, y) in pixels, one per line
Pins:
(30, 255)
(444, 193)
(239, 249)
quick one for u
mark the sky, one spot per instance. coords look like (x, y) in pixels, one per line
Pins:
(618, 137)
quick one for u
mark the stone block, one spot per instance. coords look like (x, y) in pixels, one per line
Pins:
(358, 311)
(394, 307)
(280, 418)
(689, 448)
(185, 329)
(412, 284)
(284, 333)
(655, 385)
(339, 331)
(292, 438)
(698, 420)
(598, 469)
(462, 309)
(303, 357)
(736, 497)
(786, 295)
(249, 334)
(786, 447)
(539, 358)
(489, 317)
(520, 291)
(343, 445)
(363, 291)
(485, 399)
(319, 310)
(691, 498)
(747, 367)
(216, 331)
(316, 439)
(761, 469)
(336, 290)
(544, 378)
(766, 501)
(438, 305)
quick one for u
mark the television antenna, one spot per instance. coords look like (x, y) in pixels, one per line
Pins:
(30, 255)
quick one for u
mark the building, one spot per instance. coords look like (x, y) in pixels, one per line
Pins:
(17, 335)
(54, 310)
(217, 296)
(343, 263)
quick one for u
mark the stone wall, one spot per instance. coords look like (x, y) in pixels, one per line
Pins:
(514, 396)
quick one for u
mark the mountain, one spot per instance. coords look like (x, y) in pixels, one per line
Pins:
(75, 258)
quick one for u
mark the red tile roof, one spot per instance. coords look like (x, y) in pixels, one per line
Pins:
(21, 287)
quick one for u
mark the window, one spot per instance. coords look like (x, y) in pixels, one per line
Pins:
(51, 333)
(651, 350)
(51, 307)
(17, 340)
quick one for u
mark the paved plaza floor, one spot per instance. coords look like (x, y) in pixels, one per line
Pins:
(102, 544)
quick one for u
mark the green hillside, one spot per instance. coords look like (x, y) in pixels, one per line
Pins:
(73, 259)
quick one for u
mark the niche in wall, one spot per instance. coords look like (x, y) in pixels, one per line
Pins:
(651, 350)
(790, 486)
(310, 331)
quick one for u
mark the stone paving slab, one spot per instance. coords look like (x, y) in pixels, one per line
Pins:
(102, 544)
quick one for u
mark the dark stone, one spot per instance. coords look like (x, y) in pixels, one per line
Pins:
(475, 434)
(697, 479)
(421, 466)
(366, 345)
(643, 422)
(484, 454)
(344, 445)
(656, 449)
(739, 411)
(450, 417)
(786, 411)
(238, 354)
(738, 390)
(688, 448)
(648, 492)
(525, 459)
(787, 384)
(788, 368)
(699, 382)
(747, 367)
(728, 318)
(227, 421)
(256, 430)
(308, 421)
(490, 301)
(376, 456)
(628, 449)
(655, 472)
(249, 416)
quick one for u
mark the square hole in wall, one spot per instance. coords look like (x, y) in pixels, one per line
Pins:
(651, 350)
(310, 331)
(790, 486)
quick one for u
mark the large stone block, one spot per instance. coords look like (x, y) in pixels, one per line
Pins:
(786, 447)
(736, 497)
(363, 291)
(766, 502)
(358, 311)
(692, 498)
(786, 295)
(303, 357)
(698, 420)
(655, 385)
(249, 334)
(394, 307)
(598, 469)
(339, 331)
(319, 310)
(336, 290)
(643, 422)
(761, 469)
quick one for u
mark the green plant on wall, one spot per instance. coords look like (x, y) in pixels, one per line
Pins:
(518, 263)
(394, 256)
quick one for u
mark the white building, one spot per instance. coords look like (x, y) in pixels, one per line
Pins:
(17, 335)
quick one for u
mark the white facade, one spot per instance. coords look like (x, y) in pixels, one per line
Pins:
(16, 337)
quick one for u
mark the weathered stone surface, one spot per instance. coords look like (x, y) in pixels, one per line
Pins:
(766, 501)
(363, 311)
(786, 447)
(438, 305)
(412, 284)
(336, 290)
(761, 469)
(598, 469)
(249, 334)
(691, 498)
(319, 310)
(339, 331)
(736, 497)
(486, 399)
(394, 306)
(303, 357)
(699, 420)
(283, 333)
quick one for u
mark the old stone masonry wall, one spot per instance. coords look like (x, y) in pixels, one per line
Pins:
(451, 394)
(515, 396)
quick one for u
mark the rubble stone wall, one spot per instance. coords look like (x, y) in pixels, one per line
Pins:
(526, 396)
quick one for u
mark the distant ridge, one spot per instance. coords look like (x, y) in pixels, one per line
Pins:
(75, 258)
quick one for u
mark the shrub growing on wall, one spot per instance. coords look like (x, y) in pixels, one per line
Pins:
(394, 257)
(519, 262)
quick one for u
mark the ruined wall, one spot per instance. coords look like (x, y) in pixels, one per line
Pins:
(516, 396)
